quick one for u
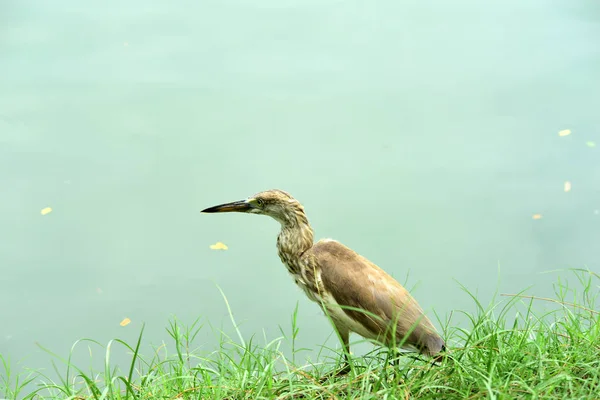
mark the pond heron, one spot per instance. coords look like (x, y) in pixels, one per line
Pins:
(356, 294)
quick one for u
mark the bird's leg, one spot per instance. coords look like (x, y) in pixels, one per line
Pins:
(345, 336)
(345, 367)
(392, 359)
(395, 354)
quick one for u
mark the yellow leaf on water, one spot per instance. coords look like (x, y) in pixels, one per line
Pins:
(219, 246)
(125, 322)
(537, 216)
(567, 186)
(564, 132)
(46, 210)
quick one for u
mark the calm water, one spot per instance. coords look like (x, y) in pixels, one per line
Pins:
(422, 134)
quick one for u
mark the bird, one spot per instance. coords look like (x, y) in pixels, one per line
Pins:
(356, 295)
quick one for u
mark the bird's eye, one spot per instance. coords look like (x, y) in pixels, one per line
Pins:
(260, 202)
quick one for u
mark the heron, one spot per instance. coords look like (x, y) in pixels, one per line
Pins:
(356, 295)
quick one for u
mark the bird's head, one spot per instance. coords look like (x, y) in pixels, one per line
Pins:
(274, 203)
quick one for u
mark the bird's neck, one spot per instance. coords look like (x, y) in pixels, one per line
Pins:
(295, 238)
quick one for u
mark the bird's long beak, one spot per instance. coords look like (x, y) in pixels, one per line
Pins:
(236, 206)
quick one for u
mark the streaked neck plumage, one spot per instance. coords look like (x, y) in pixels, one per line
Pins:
(295, 238)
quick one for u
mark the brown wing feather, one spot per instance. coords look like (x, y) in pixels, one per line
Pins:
(354, 281)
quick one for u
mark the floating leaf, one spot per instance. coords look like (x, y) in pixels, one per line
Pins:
(537, 216)
(564, 132)
(46, 210)
(567, 186)
(219, 246)
(590, 144)
(125, 322)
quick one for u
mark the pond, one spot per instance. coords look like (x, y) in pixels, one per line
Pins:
(423, 135)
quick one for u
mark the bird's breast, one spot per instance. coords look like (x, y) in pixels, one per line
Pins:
(307, 278)
(307, 288)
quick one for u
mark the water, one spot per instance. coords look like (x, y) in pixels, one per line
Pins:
(423, 135)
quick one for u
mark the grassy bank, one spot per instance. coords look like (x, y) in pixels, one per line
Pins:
(507, 350)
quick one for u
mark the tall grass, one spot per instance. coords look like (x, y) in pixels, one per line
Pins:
(508, 350)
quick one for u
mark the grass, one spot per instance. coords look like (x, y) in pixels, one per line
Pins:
(507, 350)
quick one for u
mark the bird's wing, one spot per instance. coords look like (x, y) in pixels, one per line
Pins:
(356, 282)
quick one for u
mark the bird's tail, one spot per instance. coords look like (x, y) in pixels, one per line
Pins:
(441, 356)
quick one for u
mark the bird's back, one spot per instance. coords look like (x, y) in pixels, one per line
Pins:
(353, 281)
